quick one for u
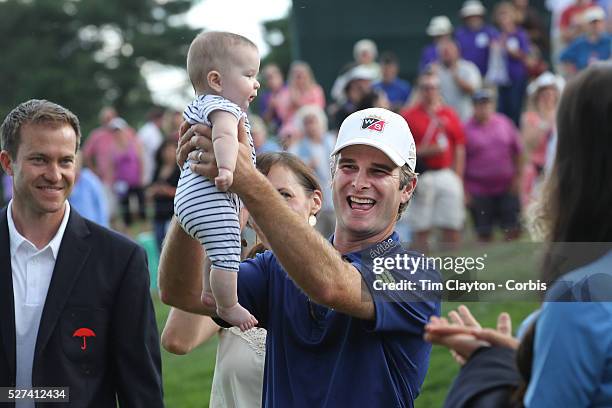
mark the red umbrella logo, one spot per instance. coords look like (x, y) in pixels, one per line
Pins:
(84, 332)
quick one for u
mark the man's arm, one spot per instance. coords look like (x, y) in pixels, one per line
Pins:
(459, 160)
(135, 339)
(518, 159)
(315, 266)
(429, 150)
(180, 271)
(468, 78)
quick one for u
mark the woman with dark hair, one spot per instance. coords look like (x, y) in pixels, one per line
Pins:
(572, 344)
(238, 375)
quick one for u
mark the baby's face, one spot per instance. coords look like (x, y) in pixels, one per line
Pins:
(239, 80)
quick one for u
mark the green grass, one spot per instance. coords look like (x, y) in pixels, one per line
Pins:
(187, 379)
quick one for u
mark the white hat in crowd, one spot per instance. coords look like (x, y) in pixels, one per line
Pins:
(594, 13)
(472, 8)
(359, 72)
(439, 25)
(365, 45)
(117, 124)
(380, 128)
(545, 80)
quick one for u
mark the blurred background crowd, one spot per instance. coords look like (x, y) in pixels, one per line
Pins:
(481, 106)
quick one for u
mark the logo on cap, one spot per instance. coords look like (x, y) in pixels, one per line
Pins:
(372, 123)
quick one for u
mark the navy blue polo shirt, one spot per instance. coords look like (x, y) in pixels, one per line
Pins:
(317, 357)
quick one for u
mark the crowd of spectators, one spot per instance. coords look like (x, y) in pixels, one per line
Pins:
(482, 110)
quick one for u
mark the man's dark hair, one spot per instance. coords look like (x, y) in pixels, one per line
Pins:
(35, 111)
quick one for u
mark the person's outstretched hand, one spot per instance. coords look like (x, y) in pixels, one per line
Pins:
(463, 334)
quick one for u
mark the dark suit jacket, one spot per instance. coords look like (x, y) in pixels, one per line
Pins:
(100, 282)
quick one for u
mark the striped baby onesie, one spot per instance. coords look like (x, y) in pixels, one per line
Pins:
(205, 213)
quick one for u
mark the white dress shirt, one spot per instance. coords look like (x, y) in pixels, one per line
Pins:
(32, 270)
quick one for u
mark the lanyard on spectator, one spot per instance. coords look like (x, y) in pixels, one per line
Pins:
(434, 124)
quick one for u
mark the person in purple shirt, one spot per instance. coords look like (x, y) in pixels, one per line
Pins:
(515, 45)
(439, 27)
(474, 37)
(274, 83)
(126, 157)
(492, 169)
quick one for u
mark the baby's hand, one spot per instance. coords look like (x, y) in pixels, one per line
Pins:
(224, 180)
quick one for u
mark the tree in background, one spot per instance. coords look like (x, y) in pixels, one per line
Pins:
(88, 54)
(279, 39)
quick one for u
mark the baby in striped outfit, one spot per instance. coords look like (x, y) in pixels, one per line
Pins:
(222, 68)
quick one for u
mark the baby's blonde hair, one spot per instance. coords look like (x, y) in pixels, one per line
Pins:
(210, 51)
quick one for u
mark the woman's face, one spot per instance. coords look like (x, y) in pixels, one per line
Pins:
(548, 97)
(300, 76)
(299, 200)
(273, 78)
(313, 128)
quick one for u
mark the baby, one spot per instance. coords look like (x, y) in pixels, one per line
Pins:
(223, 69)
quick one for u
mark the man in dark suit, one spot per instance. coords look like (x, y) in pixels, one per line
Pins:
(75, 306)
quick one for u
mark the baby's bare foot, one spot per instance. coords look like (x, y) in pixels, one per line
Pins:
(237, 316)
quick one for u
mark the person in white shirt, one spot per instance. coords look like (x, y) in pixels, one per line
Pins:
(151, 137)
(459, 78)
(66, 282)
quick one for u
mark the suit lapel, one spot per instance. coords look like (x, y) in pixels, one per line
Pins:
(7, 302)
(71, 258)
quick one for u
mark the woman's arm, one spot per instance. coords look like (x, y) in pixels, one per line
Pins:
(185, 331)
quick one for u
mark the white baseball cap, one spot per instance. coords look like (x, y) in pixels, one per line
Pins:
(117, 124)
(594, 13)
(439, 25)
(545, 80)
(380, 128)
(472, 8)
